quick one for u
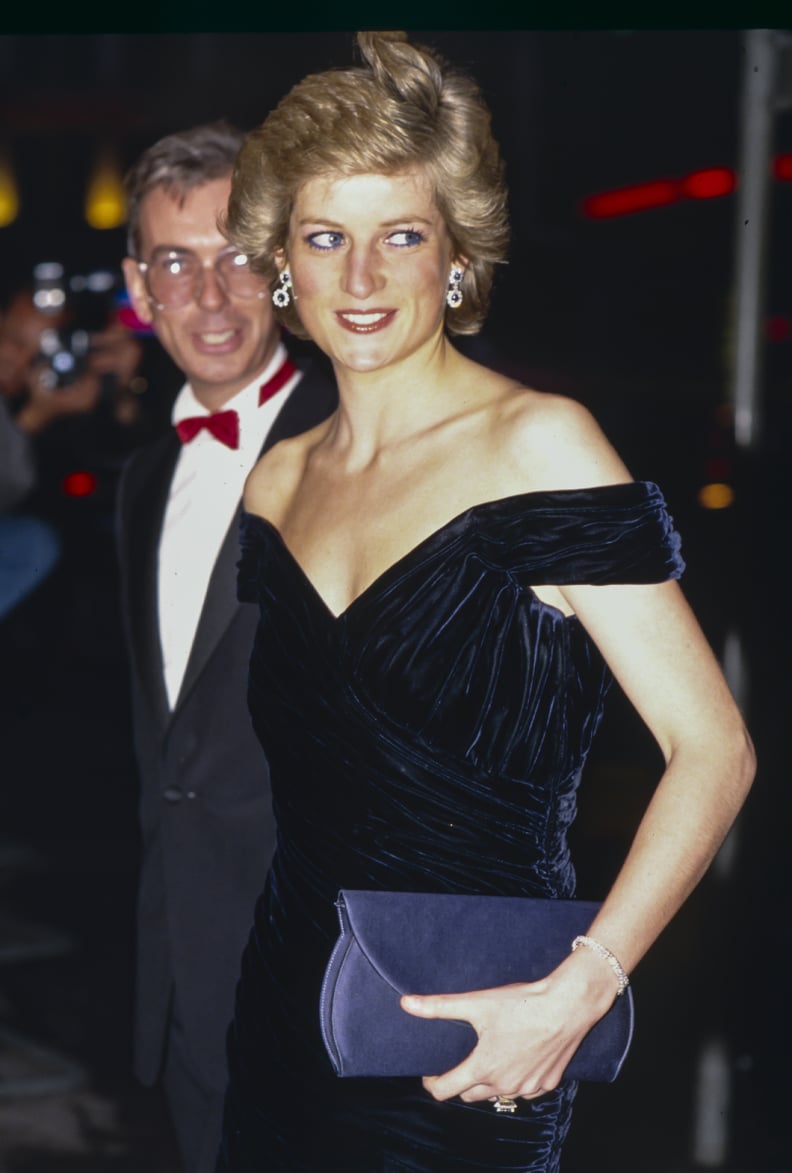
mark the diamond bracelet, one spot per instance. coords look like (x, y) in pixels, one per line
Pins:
(606, 955)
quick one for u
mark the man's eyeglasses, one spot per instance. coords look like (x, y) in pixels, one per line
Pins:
(175, 277)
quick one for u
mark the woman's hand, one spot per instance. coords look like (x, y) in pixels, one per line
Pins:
(527, 1032)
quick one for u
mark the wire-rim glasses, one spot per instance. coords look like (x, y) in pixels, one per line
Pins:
(175, 276)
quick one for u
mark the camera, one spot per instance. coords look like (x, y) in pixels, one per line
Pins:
(79, 307)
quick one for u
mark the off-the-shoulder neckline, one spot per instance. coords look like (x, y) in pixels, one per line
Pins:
(535, 499)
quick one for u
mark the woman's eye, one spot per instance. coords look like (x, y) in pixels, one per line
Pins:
(405, 238)
(325, 240)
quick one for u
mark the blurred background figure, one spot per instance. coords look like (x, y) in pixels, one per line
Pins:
(21, 327)
(59, 373)
(69, 395)
(29, 547)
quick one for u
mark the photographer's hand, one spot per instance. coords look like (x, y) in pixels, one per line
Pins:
(45, 403)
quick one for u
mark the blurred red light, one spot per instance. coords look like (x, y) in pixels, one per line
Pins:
(782, 167)
(79, 484)
(637, 198)
(706, 185)
(778, 328)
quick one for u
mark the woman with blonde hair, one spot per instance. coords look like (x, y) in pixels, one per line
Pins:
(449, 570)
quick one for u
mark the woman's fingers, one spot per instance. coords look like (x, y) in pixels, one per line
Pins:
(516, 1055)
(438, 1006)
(461, 1080)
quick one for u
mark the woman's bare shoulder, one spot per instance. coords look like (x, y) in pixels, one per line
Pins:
(274, 477)
(554, 442)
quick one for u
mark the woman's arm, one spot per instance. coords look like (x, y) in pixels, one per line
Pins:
(658, 653)
(660, 656)
(529, 1032)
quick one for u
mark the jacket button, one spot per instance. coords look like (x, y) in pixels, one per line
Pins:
(172, 794)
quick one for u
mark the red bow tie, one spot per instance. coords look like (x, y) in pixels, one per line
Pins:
(278, 380)
(224, 426)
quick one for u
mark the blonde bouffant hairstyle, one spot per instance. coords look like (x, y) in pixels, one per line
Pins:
(403, 108)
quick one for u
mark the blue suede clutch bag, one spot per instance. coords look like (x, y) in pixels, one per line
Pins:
(395, 943)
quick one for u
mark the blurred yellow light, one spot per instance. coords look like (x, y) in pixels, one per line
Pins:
(9, 196)
(716, 495)
(105, 199)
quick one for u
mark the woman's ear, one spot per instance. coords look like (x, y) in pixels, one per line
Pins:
(280, 258)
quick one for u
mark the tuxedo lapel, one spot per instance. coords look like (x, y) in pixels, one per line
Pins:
(148, 498)
(309, 403)
(220, 606)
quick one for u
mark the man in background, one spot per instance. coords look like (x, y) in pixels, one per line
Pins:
(205, 813)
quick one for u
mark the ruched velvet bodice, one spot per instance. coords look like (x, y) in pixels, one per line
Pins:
(431, 737)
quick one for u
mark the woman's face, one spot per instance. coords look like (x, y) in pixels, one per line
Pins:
(369, 256)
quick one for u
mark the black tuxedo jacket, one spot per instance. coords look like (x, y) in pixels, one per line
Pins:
(205, 813)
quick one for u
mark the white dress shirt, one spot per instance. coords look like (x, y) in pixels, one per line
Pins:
(204, 496)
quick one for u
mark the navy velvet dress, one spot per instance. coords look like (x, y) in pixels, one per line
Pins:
(429, 738)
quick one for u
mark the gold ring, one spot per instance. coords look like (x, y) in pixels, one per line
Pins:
(505, 1104)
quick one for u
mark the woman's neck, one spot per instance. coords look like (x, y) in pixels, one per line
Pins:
(383, 408)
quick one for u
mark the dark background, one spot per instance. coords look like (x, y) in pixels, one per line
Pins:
(575, 112)
(630, 315)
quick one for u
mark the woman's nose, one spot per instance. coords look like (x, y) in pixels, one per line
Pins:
(362, 273)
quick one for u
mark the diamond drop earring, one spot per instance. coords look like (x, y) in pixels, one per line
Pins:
(454, 297)
(280, 294)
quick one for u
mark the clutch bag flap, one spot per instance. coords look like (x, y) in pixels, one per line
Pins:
(394, 943)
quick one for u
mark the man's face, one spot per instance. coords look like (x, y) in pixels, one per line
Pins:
(220, 341)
